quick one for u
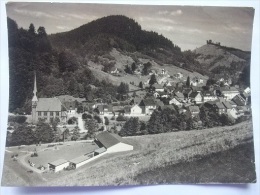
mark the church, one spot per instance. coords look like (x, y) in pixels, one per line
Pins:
(47, 108)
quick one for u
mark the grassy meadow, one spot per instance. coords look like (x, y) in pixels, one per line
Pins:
(156, 151)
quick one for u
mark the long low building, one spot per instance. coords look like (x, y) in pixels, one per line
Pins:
(58, 165)
(112, 142)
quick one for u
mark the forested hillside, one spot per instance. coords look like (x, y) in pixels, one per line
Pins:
(57, 72)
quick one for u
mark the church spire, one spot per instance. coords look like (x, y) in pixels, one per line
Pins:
(35, 99)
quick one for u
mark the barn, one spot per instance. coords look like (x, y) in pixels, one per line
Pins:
(81, 160)
(112, 142)
(58, 165)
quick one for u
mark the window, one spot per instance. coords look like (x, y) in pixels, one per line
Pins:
(57, 113)
(51, 113)
(45, 113)
(39, 113)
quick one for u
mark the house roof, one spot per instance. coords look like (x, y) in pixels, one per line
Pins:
(108, 139)
(194, 94)
(220, 105)
(176, 99)
(228, 89)
(179, 95)
(227, 105)
(208, 93)
(69, 98)
(148, 102)
(58, 162)
(49, 104)
(239, 100)
(194, 109)
(157, 86)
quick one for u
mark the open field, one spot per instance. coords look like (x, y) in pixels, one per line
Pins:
(152, 152)
(231, 166)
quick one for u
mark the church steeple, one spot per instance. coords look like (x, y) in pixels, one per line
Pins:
(35, 99)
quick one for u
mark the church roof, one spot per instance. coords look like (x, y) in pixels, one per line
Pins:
(49, 104)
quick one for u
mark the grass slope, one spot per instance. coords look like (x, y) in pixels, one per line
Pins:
(155, 151)
(231, 166)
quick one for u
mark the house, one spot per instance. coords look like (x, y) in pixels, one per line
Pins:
(240, 111)
(135, 101)
(58, 165)
(247, 90)
(148, 106)
(186, 92)
(219, 108)
(228, 106)
(179, 75)
(193, 111)
(175, 100)
(240, 100)
(232, 113)
(112, 142)
(170, 89)
(158, 87)
(229, 92)
(163, 94)
(179, 95)
(233, 104)
(196, 97)
(209, 96)
(136, 110)
(114, 70)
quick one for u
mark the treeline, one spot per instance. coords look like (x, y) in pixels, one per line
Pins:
(170, 120)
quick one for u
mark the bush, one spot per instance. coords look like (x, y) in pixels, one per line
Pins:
(121, 118)
(98, 119)
(72, 120)
(86, 116)
(17, 119)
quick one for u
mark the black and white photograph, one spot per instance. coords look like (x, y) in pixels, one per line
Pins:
(123, 95)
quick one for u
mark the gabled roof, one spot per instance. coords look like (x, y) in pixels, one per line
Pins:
(228, 89)
(58, 162)
(108, 139)
(220, 105)
(239, 100)
(157, 86)
(49, 104)
(194, 109)
(179, 95)
(194, 94)
(148, 102)
(227, 105)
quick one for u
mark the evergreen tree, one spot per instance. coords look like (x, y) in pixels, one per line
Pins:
(141, 85)
(131, 127)
(92, 127)
(133, 67)
(188, 81)
(152, 80)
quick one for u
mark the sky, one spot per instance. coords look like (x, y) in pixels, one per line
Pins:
(186, 26)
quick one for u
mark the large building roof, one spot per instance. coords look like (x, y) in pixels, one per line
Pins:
(58, 162)
(49, 104)
(108, 139)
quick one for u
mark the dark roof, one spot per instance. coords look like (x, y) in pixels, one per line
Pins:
(194, 94)
(148, 102)
(227, 105)
(108, 139)
(239, 100)
(49, 104)
(157, 86)
(220, 105)
(226, 89)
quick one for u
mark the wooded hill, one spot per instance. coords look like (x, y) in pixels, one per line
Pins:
(61, 60)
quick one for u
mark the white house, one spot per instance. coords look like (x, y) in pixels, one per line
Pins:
(112, 142)
(176, 101)
(114, 71)
(136, 110)
(229, 92)
(58, 165)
